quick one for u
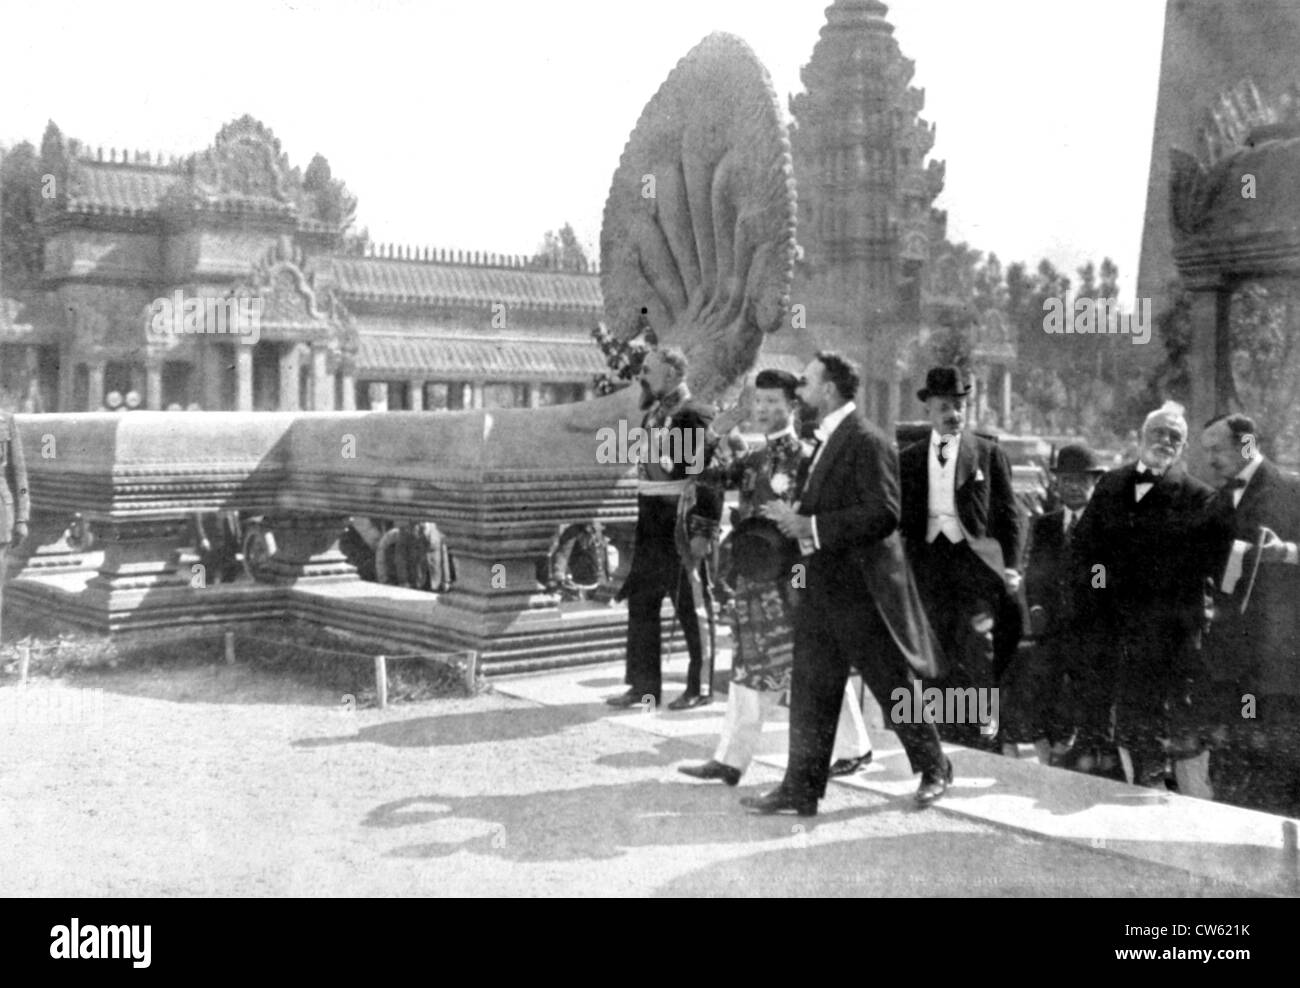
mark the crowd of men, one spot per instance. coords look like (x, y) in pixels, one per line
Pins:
(1146, 628)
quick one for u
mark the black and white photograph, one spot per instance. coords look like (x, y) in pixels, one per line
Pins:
(662, 449)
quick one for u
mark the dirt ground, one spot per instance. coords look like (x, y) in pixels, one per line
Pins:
(216, 780)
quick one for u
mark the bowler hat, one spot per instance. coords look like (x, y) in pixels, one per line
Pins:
(1077, 458)
(759, 551)
(943, 382)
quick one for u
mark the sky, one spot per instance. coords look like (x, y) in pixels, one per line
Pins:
(480, 125)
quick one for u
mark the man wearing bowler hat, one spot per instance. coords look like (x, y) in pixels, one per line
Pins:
(1036, 704)
(964, 534)
(15, 507)
(765, 593)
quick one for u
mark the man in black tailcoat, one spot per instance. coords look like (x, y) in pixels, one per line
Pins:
(1138, 565)
(1253, 649)
(857, 604)
(964, 533)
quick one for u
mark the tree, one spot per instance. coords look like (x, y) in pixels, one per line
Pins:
(334, 204)
(560, 252)
(20, 202)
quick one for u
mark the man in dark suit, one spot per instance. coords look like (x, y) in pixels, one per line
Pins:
(1138, 573)
(15, 506)
(1036, 700)
(964, 532)
(669, 552)
(1254, 642)
(857, 603)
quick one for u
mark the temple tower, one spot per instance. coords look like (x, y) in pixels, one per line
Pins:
(866, 220)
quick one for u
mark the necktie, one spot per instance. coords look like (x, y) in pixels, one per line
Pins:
(943, 460)
(1069, 527)
(1235, 484)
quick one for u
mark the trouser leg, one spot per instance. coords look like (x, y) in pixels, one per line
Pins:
(816, 691)
(1193, 776)
(694, 606)
(747, 710)
(644, 673)
(851, 738)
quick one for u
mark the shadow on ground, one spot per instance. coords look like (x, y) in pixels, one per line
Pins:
(591, 822)
(452, 729)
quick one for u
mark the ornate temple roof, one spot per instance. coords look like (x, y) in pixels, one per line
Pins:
(120, 189)
(515, 359)
(371, 279)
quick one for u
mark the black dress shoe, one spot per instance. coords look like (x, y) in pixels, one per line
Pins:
(688, 700)
(934, 784)
(631, 699)
(779, 801)
(712, 770)
(847, 766)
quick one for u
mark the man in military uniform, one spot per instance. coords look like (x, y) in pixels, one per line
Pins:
(15, 507)
(677, 520)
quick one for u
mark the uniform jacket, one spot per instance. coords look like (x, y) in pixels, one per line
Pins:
(15, 505)
(1260, 649)
(987, 509)
(661, 534)
(853, 491)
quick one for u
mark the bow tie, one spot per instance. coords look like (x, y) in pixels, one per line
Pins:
(1235, 484)
(1145, 476)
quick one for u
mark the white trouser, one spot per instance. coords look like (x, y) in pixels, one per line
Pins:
(748, 709)
(1191, 774)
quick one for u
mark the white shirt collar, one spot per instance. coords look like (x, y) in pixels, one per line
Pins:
(1146, 475)
(782, 433)
(828, 425)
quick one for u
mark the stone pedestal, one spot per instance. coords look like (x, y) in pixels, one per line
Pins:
(139, 555)
(52, 547)
(307, 547)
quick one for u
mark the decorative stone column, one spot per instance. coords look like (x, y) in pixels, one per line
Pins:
(153, 383)
(476, 395)
(95, 391)
(348, 377)
(534, 395)
(322, 383)
(67, 378)
(415, 389)
(289, 373)
(243, 378)
(211, 374)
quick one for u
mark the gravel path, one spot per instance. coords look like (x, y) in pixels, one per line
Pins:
(228, 781)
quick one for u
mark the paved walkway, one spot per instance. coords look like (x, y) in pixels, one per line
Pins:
(189, 779)
(1214, 842)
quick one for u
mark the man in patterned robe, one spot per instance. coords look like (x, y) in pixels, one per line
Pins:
(762, 629)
